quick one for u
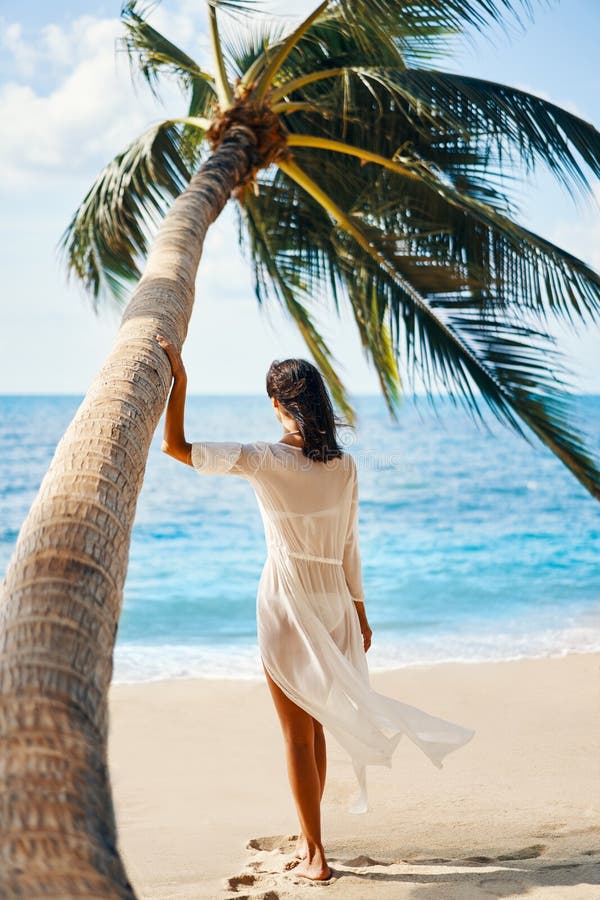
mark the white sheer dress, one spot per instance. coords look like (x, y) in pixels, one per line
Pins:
(308, 629)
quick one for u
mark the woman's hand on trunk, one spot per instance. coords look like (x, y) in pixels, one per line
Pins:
(177, 367)
(174, 442)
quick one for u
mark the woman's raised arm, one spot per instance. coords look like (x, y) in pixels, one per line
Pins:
(174, 442)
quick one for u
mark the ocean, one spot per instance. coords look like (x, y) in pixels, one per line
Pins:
(475, 544)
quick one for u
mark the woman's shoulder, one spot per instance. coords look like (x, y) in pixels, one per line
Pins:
(277, 450)
(346, 459)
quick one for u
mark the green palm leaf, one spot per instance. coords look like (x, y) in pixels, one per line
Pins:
(273, 277)
(433, 111)
(512, 366)
(242, 50)
(385, 32)
(511, 265)
(514, 124)
(108, 233)
(289, 276)
(151, 54)
(402, 18)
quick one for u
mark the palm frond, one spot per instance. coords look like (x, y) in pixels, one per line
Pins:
(152, 54)
(275, 60)
(416, 31)
(330, 42)
(272, 278)
(433, 16)
(377, 119)
(511, 365)
(534, 375)
(507, 126)
(512, 265)
(242, 49)
(323, 40)
(222, 85)
(369, 315)
(519, 126)
(533, 272)
(108, 233)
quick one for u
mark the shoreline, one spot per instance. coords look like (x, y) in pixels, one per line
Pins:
(198, 772)
(139, 662)
(383, 670)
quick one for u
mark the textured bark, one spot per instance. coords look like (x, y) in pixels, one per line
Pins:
(61, 597)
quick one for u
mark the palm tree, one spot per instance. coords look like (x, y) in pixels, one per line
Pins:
(358, 170)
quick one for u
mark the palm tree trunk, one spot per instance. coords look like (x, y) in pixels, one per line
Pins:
(61, 597)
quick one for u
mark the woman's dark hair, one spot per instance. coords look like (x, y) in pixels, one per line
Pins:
(299, 387)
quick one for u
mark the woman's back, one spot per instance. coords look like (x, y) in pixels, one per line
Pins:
(309, 508)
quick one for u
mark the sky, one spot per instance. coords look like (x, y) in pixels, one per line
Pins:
(68, 106)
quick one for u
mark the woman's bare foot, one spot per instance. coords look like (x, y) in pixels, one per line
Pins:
(300, 852)
(301, 848)
(315, 868)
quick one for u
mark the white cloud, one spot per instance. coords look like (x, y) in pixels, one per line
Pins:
(57, 44)
(23, 54)
(91, 112)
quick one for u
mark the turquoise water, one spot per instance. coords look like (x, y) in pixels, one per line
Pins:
(475, 545)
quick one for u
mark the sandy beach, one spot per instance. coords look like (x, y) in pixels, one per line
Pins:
(204, 808)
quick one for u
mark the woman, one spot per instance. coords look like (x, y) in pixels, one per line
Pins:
(313, 631)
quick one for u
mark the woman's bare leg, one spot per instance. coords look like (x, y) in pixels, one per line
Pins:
(320, 755)
(298, 732)
(321, 760)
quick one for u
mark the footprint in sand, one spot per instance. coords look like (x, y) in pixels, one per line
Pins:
(240, 884)
(531, 852)
(281, 842)
(269, 872)
(244, 880)
(359, 861)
